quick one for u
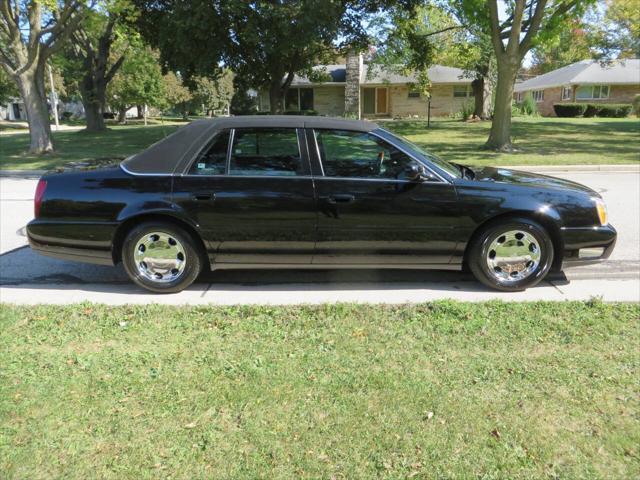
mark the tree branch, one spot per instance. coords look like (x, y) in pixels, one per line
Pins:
(494, 20)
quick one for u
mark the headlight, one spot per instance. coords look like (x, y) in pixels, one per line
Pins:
(601, 208)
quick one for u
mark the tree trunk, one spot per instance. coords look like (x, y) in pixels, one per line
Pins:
(276, 98)
(500, 135)
(31, 86)
(478, 94)
(93, 110)
(122, 115)
(140, 112)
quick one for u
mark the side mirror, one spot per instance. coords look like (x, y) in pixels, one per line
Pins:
(417, 173)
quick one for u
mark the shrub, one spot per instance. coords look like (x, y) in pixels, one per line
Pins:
(614, 110)
(610, 110)
(591, 110)
(466, 111)
(636, 105)
(569, 109)
(528, 105)
(300, 112)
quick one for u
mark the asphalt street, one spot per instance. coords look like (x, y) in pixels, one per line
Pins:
(26, 277)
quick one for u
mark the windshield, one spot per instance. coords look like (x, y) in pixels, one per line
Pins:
(420, 153)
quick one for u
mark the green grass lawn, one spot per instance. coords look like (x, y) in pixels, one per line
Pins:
(440, 390)
(542, 141)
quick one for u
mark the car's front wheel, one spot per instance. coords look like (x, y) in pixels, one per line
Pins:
(512, 255)
(161, 257)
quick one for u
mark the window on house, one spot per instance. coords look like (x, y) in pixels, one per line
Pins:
(519, 97)
(538, 95)
(265, 151)
(360, 155)
(299, 99)
(592, 92)
(414, 93)
(462, 91)
(213, 159)
(566, 93)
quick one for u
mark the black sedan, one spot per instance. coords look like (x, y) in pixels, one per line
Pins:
(303, 192)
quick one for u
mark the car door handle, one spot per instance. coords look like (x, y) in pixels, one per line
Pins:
(203, 196)
(341, 198)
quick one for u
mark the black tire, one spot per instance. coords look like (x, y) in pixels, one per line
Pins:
(479, 252)
(172, 283)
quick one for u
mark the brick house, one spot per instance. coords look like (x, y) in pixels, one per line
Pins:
(353, 87)
(587, 81)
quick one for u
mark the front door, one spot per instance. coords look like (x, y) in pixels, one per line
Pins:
(370, 213)
(251, 193)
(375, 100)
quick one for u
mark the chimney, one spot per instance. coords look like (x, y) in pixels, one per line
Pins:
(354, 68)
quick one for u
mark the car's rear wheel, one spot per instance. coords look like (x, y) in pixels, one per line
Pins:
(161, 257)
(512, 255)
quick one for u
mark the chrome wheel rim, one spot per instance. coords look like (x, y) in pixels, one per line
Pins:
(513, 256)
(159, 257)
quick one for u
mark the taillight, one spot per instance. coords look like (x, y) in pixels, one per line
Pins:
(37, 200)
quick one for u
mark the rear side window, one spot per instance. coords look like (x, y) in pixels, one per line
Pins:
(213, 159)
(265, 152)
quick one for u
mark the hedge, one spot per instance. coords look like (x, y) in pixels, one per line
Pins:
(569, 109)
(615, 110)
(611, 110)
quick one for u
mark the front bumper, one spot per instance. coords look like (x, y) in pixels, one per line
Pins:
(588, 245)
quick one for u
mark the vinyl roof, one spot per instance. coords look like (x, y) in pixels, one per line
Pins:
(172, 153)
(586, 72)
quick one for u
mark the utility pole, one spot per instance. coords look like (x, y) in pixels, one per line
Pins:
(53, 99)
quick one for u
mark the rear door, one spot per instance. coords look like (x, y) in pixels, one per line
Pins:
(251, 192)
(369, 212)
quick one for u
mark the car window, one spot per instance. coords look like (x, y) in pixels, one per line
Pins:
(265, 151)
(213, 159)
(360, 155)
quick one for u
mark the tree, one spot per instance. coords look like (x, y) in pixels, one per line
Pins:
(571, 44)
(526, 24)
(177, 94)
(621, 28)
(138, 82)
(30, 32)
(214, 94)
(431, 34)
(263, 41)
(8, 87)
(95, 62)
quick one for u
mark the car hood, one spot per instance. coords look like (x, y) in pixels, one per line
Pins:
(528, 179)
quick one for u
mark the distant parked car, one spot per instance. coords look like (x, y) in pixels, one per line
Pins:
(312, 192)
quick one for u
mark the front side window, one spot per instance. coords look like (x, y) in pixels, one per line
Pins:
(538, 95)
(213, 158)
(265, 152)
(360, 155)
(566, 93)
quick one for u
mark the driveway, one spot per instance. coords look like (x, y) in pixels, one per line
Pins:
(29, 278)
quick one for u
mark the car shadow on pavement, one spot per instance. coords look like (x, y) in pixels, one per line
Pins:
(22, 268)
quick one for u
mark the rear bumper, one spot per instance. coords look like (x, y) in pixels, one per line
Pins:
(588, 245)
(52, 241)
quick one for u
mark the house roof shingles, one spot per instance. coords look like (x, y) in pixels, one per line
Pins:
(437, 74)
(586, 72)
